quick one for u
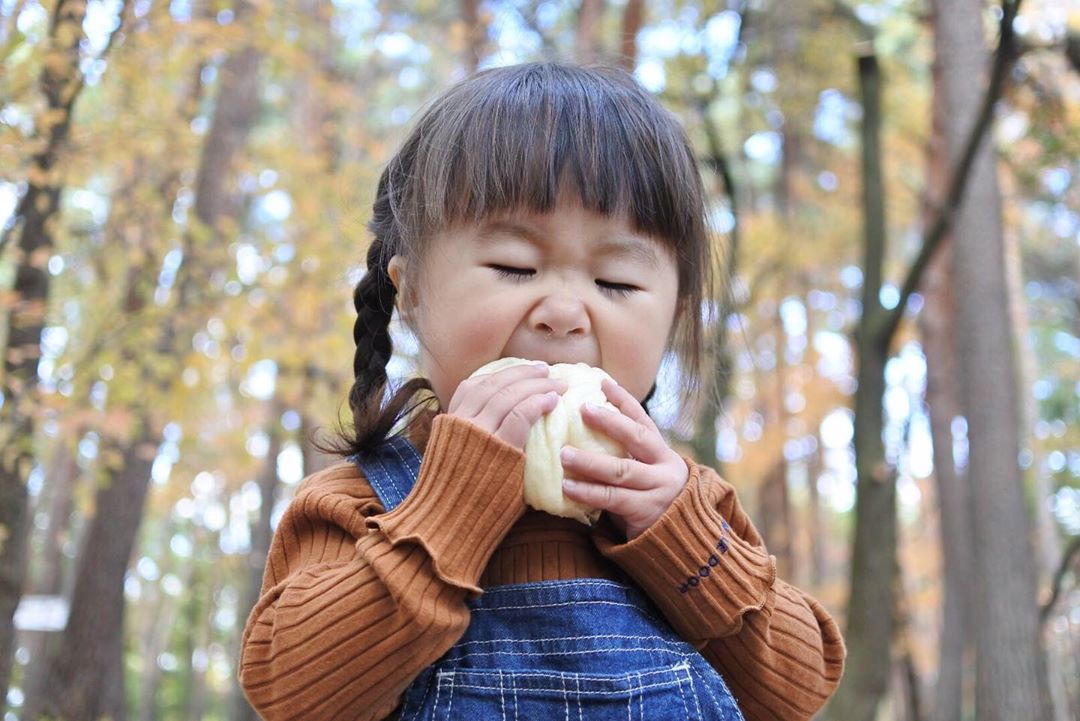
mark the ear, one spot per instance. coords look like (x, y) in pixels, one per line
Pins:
(397, 270)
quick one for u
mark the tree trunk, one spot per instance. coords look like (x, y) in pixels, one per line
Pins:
(775, 514)
(815, 574)
(200, 610)
(716, 363)
(873, 556)
(633, 15)
(159, 623)
(787, 27)
(588, 30)
(81, 681)
(261, 534)
(1010, 674)
(774, 502)
(906, 682)
(937, 328)
(35, 216)
(50, 578)
(1048, 545)
(475, 34)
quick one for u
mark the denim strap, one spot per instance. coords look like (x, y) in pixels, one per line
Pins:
(391, 470)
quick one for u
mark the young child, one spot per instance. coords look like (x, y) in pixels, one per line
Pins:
(553, 213)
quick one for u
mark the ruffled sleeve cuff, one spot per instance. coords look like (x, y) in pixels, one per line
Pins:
(691, 564)
(468, 495)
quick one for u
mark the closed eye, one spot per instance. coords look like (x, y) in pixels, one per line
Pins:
(506, 271)
(621, 289)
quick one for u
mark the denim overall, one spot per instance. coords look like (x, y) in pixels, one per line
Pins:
(587, 649)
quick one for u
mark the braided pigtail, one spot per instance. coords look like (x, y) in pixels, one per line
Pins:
(373, 299)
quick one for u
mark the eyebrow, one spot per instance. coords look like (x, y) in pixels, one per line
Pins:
(632, 247)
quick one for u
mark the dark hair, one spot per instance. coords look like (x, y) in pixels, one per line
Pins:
(508, 139)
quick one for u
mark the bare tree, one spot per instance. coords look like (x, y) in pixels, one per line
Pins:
(873, 565)
(937, 329)
(1010, 672)
(871, 618)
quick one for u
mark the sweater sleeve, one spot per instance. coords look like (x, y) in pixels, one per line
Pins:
(704, 565)
(356, 602)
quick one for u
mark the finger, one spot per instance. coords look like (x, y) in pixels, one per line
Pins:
(644, 443)
(472, 394)
(508, 397)
(600, 495)
(514, 427)
(591, 466)
(624, 400)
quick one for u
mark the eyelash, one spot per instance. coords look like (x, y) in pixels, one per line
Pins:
(520, 274)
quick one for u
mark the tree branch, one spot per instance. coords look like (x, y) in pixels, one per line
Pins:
(44, 158)
(1003, 59)
(1059, 576)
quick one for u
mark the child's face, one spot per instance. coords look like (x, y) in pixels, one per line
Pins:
(572, 286)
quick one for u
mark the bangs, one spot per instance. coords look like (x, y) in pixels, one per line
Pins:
(511, 139)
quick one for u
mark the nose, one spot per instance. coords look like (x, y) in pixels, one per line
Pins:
(560, 315)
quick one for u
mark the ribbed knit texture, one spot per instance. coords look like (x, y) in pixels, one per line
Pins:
(356, 602)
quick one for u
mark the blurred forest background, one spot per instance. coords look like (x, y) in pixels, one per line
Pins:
(184, 188)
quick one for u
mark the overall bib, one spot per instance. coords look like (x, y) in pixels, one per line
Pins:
(587, 649)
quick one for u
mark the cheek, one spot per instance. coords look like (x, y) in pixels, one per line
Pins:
(456, 343)
(634, 353)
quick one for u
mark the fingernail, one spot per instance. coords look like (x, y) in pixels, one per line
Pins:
(595, 407)
(568, 484)
(567, 454)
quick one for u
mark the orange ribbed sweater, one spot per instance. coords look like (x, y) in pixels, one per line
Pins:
(356, 602)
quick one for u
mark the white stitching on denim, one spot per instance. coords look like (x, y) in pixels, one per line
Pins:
(438, 690)
(563, 678)
(577, 685)
(450, 703)
(477, 687)
(513, 685)
(598, 636)
(410, 460)
(566, 700)
(374, 482)
(558, 675)
(682, 694)
(572, 583)
(640, 699)
(382, 479)
(423, 699)
(555, 605)
(693, 689)
(476, 654)
(708, 688)
(502, 697)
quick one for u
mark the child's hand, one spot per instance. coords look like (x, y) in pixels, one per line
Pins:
(634, 491)
(508, 402)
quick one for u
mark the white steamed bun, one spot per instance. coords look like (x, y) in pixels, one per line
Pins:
(562, 426)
